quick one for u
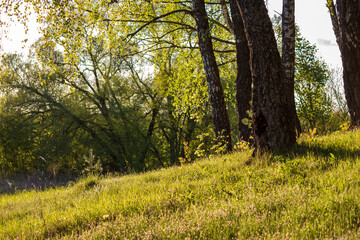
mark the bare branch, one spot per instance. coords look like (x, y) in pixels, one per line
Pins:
(226, 15)
(155, 19)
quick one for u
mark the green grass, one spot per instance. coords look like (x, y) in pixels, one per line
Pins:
(311, 193)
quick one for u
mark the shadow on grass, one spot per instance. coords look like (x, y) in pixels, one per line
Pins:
(32, 181)
(325, 151)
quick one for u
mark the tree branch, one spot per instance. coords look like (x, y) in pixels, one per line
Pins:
(157, 18)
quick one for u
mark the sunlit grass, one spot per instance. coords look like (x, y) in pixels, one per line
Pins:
(313, 192)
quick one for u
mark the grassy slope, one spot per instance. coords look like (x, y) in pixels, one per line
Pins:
(313, 193)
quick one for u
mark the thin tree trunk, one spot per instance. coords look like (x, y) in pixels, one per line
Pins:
(219, 112)
(273, 123)
(151, 128)
(243, 78)
(226, 15)
(288, 54)
(346, 24)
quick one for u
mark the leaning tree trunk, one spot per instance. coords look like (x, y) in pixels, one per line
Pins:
(288, 54)
(273, 121)
(346, 24)
(243, 78)
(219, 112)
(335, 21)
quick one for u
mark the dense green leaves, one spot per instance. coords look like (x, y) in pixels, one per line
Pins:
(311, 76)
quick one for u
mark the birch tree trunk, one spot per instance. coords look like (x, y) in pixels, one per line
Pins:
(288, 54)
(219, 112)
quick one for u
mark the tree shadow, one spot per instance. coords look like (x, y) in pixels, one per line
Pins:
(334, 151)
(10, 185)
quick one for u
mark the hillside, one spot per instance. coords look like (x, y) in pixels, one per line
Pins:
(313, 192)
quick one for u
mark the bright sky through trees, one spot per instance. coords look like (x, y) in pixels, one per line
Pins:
(13, 39)
(312, 17)
(315, 24)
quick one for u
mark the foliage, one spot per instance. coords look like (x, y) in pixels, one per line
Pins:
(130, 86)
(311, 76)
(312, 193)
(32, 138)
(128, 118)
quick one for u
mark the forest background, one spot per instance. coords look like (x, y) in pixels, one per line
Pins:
(125, 95)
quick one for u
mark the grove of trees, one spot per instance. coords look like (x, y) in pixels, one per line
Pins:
(149, 84)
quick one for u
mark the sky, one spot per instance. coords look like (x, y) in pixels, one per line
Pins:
(311, 15)
(315, 24)
(13, 40)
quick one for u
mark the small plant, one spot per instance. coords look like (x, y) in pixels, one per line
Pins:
(209, 145)
(345, 126)
(311, 136)
(203, 149)
(187, 157)
(242, 145)
(94, 166)
(218, 148)
(312, 132)
(248, 121)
